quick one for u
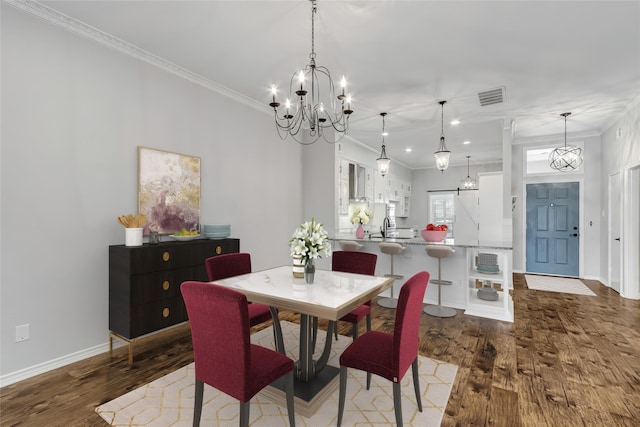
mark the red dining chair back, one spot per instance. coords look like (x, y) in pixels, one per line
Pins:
(390, 355)
(235, 264)
(360, 263)
(223, 355)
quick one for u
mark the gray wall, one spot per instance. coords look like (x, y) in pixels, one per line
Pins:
(618, 154)
(73, 113)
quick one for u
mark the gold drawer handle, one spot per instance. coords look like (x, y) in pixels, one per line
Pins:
(218, 250)
(165, 312)
(165, 285)
(166, 256)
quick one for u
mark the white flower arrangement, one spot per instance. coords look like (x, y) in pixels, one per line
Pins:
(361, 216)
(310, 241)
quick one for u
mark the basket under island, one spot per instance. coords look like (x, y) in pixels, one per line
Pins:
(461, 268)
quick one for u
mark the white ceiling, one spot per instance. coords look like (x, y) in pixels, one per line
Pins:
(402, 57)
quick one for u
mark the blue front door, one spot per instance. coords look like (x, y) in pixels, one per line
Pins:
(552, 228)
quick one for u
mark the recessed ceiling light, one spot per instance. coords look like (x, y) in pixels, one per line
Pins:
(408, 149)
(385, 133)
(455, 122)
(467, 142)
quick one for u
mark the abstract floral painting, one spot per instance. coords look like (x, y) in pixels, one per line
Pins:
(168, 190)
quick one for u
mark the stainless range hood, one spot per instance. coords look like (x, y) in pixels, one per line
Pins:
(357, 182)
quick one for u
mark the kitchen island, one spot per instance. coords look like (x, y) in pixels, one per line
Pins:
(460, 268)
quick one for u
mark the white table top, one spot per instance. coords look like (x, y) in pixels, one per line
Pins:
(331, 296)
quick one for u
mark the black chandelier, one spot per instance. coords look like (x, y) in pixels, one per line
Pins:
(313, 111)
(568, 157)
(442, 155)
(383, 161)
(469, 183)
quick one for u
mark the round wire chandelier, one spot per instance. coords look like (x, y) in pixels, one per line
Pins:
(568, 157)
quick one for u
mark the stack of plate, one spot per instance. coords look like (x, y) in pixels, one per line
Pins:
(488, 263)
(217, 231)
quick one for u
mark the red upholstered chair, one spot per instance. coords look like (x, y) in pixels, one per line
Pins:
(390, 355)
(235, 264)
(360, 263)
(223, 354)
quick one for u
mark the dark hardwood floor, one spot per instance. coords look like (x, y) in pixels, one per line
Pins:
(567, 360)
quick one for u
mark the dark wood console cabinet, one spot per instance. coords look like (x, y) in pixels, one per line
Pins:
(144, 284)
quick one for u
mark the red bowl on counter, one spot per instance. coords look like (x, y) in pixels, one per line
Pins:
(434, 235)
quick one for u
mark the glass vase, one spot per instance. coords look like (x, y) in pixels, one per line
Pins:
(309, 271)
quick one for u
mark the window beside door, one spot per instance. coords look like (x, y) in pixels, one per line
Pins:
(536, 160)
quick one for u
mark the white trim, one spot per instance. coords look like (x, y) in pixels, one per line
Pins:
(614, 214)
(555, 138)
(81, 29)
(635, 100)
(41, 368)
(630, 251)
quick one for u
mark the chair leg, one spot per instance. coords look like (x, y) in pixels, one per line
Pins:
(416, 382)
(343, 392)
(244, 413)
(354, 331)
(368, 322)
(397, 403)
(197, 406)
(368, 380)
(335, 331)
(288, 388)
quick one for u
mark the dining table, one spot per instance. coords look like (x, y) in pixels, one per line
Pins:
(331, 295)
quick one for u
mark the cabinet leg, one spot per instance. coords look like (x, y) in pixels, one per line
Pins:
(128, 343)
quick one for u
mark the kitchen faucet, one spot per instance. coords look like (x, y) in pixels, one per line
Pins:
(386, 223)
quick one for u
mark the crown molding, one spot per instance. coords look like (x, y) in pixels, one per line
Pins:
(633, 103)
(79, 28)
(554, 138)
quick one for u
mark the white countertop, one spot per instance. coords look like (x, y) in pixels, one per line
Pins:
(419, 241)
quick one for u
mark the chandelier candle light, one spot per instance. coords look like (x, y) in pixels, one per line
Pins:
(314, 111)
(568, 157)
(383, 160)
(442, 155)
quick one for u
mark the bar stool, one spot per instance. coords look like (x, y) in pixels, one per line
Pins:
(439, 252)
(390, 249)
(350, 245)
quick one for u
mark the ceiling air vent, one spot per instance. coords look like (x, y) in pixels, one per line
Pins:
(490, 97)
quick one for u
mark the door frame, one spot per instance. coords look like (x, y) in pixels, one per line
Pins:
(630, 277)
(612, 217)
(550, 180)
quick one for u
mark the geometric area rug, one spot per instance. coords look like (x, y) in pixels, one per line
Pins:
(168, 401)
(557, 284)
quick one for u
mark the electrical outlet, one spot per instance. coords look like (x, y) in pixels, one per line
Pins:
(22, 332)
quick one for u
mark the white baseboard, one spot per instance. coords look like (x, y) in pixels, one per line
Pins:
(41, 368)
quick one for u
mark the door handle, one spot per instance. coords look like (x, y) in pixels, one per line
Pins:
(575, 234)
(618, 239)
